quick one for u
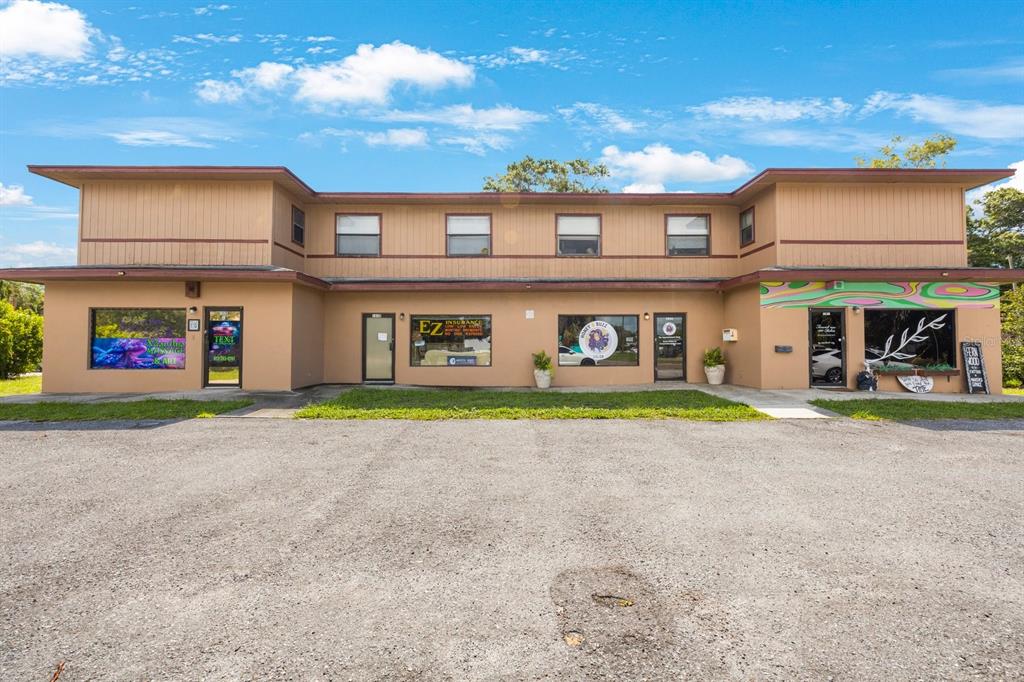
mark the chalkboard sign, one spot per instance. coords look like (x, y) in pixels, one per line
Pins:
(974, 367)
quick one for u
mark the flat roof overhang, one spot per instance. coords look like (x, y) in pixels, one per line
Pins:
(968, 178)
(272, 274)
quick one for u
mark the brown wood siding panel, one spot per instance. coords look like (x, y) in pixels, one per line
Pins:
(174, 211)
(861, 214)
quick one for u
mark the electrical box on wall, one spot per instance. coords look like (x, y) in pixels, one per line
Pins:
(730, 335)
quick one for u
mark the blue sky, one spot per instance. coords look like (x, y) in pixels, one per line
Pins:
(434, 96)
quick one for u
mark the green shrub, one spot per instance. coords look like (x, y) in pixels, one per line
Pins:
(1012, 308)
(21, 341)
(542, 361)
(713, 357)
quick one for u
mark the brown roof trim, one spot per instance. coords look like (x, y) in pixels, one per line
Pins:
(969, 177)
(86, 273)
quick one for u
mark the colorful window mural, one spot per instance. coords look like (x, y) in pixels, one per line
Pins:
(879, 294)
(137, 338)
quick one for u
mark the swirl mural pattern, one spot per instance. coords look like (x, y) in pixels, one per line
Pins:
(880, 294)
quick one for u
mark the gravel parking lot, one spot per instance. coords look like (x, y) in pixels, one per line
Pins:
(275, 549)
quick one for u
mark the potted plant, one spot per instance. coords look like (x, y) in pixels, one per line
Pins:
(542, 369)
(714, 365)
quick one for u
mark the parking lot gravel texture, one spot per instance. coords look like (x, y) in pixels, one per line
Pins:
(227, 549)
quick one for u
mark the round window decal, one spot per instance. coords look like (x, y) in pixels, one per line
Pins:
(669, 329)
(598, 340)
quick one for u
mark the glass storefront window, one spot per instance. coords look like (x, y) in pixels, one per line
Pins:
(137, 338)
(450, 341)
(910, 339)
(598, 340)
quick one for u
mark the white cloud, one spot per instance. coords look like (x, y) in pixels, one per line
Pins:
(1016, 181)
(219, 92)
(465, 116)
(44, 29)
(477, 143)
(768, 109)
(657, 164)
(369, 75)
(644, 188)
(606, 119)
(202, 11)
(527, 55)
(35, 254)
(963, 117)
(319, 39)
(1009, 71)
(515, 56)
(268, 75)
(157, 138)
(401, 138)
(14, 195)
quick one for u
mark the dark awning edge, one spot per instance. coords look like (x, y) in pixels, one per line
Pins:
(273, 274)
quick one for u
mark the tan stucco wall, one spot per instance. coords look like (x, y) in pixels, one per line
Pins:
(514, 337)
(267, 335)
(784, 327)
(742, 358)
(307, 336)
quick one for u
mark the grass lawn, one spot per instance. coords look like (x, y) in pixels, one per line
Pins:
(141, 409)
(21, 385)
(370, 403)
(902, 410)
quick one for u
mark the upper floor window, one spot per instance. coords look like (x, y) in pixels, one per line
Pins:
(298, 226)
(687, 235)
(747, 227)
(579, 235)
(469, 235)
(358, 234)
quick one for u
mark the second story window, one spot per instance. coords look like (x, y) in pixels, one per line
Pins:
(687, 235)
(579, 235)
(298, 226)
(469, 235)
(358, 235)
(747, 227)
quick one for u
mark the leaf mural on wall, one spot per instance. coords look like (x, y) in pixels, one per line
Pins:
(907, 338)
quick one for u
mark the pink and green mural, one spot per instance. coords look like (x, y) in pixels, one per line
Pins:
(879, 294)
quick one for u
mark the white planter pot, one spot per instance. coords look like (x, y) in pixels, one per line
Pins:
(716, 374)
(542, 377)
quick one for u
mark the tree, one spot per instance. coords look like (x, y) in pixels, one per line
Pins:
(928, 154)
(996, 237)
(549, 175)
(21, 340)
(1012, 311)
(22, 295)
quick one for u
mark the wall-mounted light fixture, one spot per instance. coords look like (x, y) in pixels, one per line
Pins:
(401, 316)
(647, 316)
(193, 310)
(856, 310)
(120, 273)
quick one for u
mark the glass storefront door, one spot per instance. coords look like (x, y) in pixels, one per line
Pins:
(670, 347)
(378, 347)
(223, 347)
(828, 347)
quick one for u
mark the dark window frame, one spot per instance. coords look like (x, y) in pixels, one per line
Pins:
(412, 348)
(600, 234)
(380, 235)
(92, 337)
(490, 236)
(954, 321)
(558, 326)
(753, 228)
(301, 241)
(707, 240)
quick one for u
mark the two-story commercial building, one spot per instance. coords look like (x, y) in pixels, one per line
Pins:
(198, 276)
